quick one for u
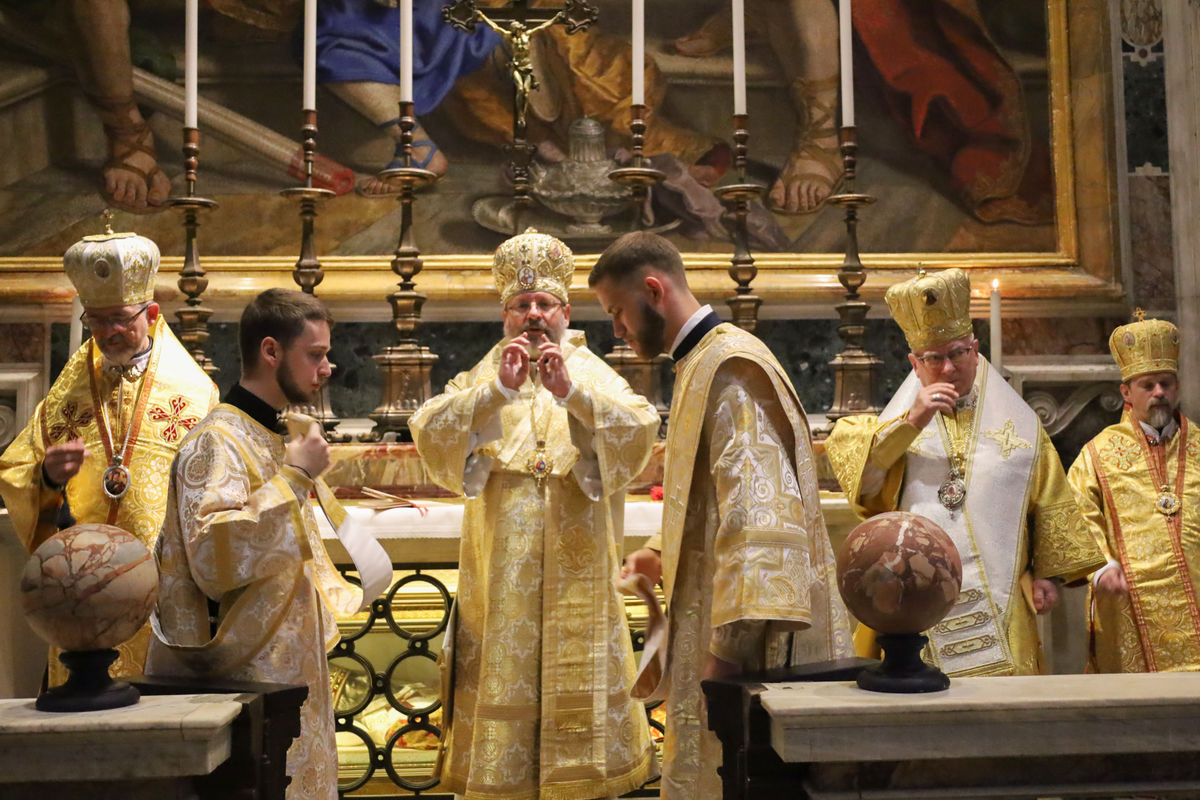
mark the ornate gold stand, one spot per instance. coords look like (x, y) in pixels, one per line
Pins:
(644, 375)
(406, 365)
(855, 370)
(737, 197)
(193, 317)
(308, 273)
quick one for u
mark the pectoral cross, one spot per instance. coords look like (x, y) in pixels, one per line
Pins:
(517, 23)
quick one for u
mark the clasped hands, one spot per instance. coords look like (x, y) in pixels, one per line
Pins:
(552, 368)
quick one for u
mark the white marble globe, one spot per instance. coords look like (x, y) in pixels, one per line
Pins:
(89, 587)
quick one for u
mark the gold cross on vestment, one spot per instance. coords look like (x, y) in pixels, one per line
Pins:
(1007, 438)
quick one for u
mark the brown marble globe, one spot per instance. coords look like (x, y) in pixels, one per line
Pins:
(899, 573)
(89, 587)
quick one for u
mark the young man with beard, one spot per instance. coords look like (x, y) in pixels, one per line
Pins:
(541, 437)
(1138, 486)
(744, 555)
(246, 590)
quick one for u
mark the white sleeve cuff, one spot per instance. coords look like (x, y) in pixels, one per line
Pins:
(1096, 575)
(509, 394)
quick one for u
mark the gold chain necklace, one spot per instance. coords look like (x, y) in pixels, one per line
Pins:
(540, 465)
(116, 478)
(953, 491)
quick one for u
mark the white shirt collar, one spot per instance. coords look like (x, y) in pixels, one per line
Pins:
(692, 322)
(1155, 436)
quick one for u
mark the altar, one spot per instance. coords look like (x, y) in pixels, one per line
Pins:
(997, 737)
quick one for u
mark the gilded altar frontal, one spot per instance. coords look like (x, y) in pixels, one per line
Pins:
(538, 326)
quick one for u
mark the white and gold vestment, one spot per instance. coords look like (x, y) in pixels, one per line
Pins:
(1018, 521)
(748, 569)
(543, 659)
(241, 530)
(160, 403)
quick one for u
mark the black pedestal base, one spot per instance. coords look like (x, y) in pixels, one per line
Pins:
(902, 671)
(89, 686)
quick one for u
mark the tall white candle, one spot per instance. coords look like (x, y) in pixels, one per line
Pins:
(739, 57)
(191, 25)
(310, 55)
(639, 52)
(997, 348)
(846, 53)
(406, 51)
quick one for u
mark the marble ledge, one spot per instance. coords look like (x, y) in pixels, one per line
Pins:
(161, 736)
(1045, 715)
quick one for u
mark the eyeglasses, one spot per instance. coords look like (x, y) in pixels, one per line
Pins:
(123, 321)
(957, 357)
(544, 307)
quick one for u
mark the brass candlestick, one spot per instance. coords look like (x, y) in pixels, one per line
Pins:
(737, 197)
(855, 370)
(406, 365)
(308, 273)
(639, 176)
(193, 317)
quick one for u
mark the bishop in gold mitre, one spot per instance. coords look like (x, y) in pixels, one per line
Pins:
(1138, 486)
(99, 447)
(541, 437)
(957, 445)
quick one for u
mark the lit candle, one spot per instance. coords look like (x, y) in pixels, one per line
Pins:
(846, 51)
(406, 51)
(739, 57)
(997, 349)
(309, 102)
(639, 52)
(191, 25)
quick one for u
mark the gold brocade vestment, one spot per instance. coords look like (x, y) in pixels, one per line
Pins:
(748, 569)
(1018, 522)
(1118, 477)
(160, 405)
(543, 658)
(241, 529)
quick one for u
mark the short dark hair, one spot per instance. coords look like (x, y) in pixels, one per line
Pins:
(280, 314)
(634, 252)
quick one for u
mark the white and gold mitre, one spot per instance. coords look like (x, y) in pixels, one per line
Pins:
(1148, 345)
(533, 262)
(932, 309)
(112, 269)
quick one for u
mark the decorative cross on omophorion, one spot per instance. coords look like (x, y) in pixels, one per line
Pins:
(516, 23)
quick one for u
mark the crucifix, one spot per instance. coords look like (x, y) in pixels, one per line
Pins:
(517, 23)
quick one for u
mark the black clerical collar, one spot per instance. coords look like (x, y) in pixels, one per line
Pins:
(253, 406)
(693, 337)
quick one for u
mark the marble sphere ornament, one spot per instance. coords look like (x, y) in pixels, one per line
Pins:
(86, 590)
(900, 574)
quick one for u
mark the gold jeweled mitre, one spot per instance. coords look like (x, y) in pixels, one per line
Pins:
(112, 269)
(1148, 345)
(932, 309)
(533, 262)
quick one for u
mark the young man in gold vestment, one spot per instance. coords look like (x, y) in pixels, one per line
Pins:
(541, 437)
(1138, 486)
(102, 440)
(957, 445)
(744, 555)
(246, 589)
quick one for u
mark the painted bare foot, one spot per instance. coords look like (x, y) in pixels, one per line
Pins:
(807, 178)
(425, 155)
(132, 180)
(814, 168)
(714, 36)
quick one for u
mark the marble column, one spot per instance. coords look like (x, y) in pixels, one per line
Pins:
(1181, 31)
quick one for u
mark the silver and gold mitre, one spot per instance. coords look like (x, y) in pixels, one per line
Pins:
(932, 309)
(112, 269)
(1148, 345)
(533, 262)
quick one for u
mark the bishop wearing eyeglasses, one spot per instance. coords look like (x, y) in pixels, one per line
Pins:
(958, 445)
(541, 437)
(99, 447)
